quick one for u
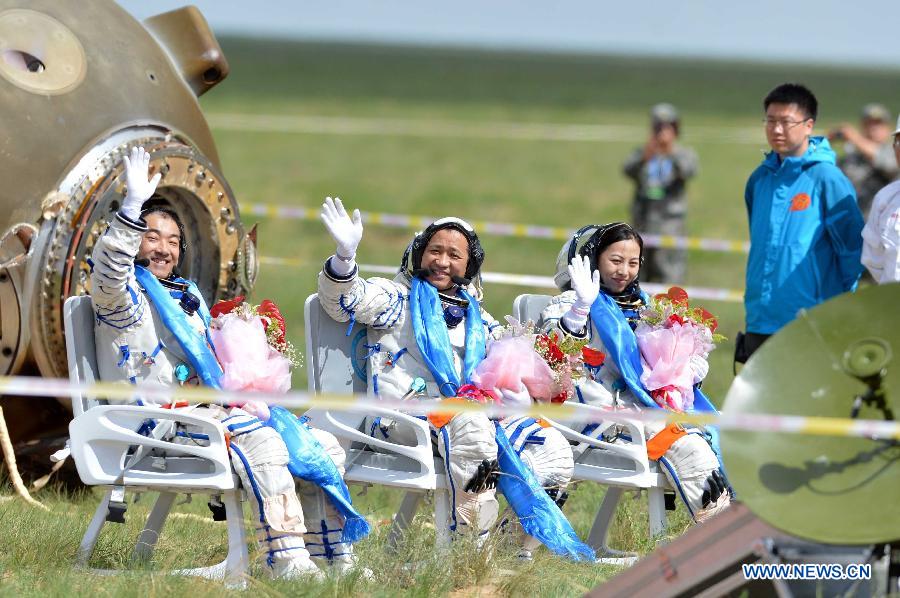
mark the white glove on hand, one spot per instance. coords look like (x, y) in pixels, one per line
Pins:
(519, 398)
(139, 189)
(586, 285)
(346, 233)
(700, 367)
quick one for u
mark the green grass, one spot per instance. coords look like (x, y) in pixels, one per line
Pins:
(40, 547)
(560, 183)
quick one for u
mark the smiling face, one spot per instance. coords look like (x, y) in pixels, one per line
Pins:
(619, 264)
(445, 256)
(161, 244)
(788, 128)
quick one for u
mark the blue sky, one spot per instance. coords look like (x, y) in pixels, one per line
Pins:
(865, 33)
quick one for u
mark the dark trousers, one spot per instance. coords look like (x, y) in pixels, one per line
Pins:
(746, 345)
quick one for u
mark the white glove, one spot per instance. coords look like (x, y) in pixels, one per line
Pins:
(139, 189)
(700, 368)
(346, 233)
(519, 398)
(586, 286)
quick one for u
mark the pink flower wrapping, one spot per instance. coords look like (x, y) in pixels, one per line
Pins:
(666, 356)
(248, 361)
(511, 364)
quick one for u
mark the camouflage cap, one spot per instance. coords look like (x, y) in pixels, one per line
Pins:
(876, 112)
(664, 114)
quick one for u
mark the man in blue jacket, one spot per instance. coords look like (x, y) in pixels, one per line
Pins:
(805, 225)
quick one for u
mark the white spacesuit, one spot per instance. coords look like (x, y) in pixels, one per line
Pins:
(398, 369)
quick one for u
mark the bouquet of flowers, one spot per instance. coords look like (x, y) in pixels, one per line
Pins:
(525, 364)
(251, 346)
(674, 340)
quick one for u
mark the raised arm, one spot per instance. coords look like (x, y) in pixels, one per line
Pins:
(343, 294)
(570, 311)
(114, 291)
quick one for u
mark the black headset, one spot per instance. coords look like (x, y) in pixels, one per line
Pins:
(412, 257)
(589, 248)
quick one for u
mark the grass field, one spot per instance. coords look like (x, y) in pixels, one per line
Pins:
(478, 177)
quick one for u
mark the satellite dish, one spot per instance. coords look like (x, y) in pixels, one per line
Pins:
(839, 359)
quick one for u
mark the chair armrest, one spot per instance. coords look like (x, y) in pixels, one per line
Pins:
(421, 452)
(589, 412)
(101, 436)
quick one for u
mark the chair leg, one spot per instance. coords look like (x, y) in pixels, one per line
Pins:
(657, 508)
(597, 538)
(89, 540)
(442, 508)
(404, 516)
(237, 561)
(149, 536)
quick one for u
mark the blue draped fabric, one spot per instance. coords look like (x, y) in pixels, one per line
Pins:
(538, 513)
(196, 348)
(308, 461)
(433, 340)
(621, 345)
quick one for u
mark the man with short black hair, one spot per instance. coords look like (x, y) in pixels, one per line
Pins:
(805, 224)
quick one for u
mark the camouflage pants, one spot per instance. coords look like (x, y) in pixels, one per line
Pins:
(661, 265)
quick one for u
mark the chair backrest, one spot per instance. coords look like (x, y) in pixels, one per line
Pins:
(529, 307)
(330, 355)
(329, 347)
(81, 351)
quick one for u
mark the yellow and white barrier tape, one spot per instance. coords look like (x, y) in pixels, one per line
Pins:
(502, 229)
(528, 280)
(790, 424)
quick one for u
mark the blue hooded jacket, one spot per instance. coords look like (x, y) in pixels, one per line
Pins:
(805, 236)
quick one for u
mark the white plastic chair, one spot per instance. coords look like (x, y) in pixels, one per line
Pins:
(109, 452)
(330, 370)
(619, 466)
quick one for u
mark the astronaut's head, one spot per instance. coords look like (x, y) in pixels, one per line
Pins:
(163, 243)
(445, 252)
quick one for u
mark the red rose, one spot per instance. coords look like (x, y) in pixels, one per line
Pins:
(225, 306)
(709, 320)
(552, 352)
(675, 318)
(593, 357)
(560, 398)
(268, 309)
(678, 295)
(480, 395)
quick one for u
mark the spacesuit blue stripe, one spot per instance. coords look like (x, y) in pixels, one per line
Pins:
(259, 501)
(243, 424)
(446, 440)
(589, 428)
(329, 551)
(684, 499)
(530, 421)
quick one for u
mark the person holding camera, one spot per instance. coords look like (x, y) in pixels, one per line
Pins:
(868, 159)
(660, 170)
